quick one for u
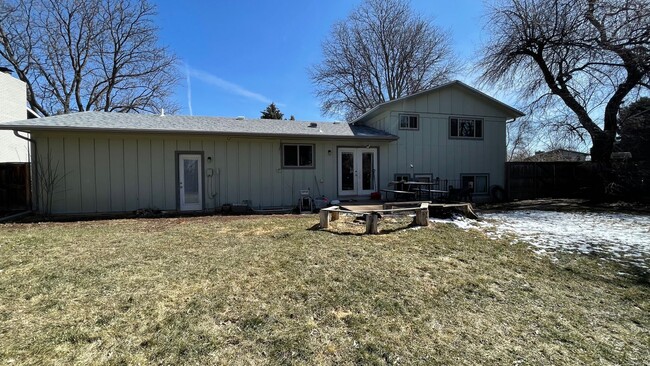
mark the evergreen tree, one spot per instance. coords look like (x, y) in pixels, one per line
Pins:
(634, 129)
(272, 112)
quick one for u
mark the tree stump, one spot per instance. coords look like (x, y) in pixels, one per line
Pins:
(422, 217)
(324, 219)
(372, 220)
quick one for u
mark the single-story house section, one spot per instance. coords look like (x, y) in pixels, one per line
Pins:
(111, 162)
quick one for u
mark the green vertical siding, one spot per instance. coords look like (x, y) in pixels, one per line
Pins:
(72, 179)
(102, 175)
(131, 178)
(116, 172)
(430, 150)
(111, 172)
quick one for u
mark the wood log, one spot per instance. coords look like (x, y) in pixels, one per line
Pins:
(324, 219)
(372, 220)
(422, 217)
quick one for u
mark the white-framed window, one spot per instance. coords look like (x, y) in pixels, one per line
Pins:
(297, 156)
(409, 122)
(465, 128)
(476, 183)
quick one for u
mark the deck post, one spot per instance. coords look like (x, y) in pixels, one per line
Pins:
(371, 223)
(324, 219)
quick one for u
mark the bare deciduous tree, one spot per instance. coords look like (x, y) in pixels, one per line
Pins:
(519, 138)
(78, 55)
(381, 52)
(586, 55)
(49, 176)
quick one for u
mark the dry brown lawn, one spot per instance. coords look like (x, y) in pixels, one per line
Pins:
(273, 290)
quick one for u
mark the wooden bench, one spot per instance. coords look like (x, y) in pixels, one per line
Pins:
(372, 217)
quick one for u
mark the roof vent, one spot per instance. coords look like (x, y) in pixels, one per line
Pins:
(313, 124)
(240, 118)
(336, 123)
(162, 112)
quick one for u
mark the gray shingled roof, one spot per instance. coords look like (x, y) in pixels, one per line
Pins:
(128, 122)
(372, 112)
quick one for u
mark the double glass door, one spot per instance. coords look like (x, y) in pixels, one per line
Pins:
(357, 171)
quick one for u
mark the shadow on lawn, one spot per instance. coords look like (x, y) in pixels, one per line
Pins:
(316, 227)
(628, 273)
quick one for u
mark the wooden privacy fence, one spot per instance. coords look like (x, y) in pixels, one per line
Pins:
(530, 180)
(15, 192)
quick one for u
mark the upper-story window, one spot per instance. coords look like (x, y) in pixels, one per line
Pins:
(297, 156)
(466, 128)
(409, 122)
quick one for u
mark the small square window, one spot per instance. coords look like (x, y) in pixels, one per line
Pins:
(409, 122)
(466, 128)
(297, 156)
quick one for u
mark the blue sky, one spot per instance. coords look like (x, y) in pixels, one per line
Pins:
(240, 55)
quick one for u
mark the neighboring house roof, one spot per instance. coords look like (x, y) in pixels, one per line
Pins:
(147, 123)
(558, 155)
(514, 113)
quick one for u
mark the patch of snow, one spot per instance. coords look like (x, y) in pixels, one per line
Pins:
(460, 221)
(619, 236)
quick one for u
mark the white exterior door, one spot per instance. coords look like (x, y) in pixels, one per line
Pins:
(357, 174)
(190, 183)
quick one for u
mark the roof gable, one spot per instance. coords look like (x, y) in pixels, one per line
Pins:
(442, 102)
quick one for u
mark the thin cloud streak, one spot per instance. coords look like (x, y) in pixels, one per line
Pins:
(226, 85)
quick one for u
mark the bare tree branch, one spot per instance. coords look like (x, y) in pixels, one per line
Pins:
(78, 55)
(383, 51)
(589, 54)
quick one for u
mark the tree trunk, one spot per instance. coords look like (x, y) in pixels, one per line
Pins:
(602, 146)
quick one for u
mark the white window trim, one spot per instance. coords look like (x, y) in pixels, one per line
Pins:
(473, 119)
(399, 121)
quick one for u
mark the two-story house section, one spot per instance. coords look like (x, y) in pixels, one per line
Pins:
(452, 132)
